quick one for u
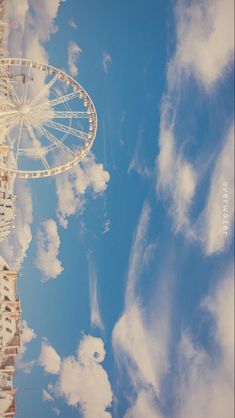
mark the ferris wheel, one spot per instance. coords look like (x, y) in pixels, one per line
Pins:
(48, 121)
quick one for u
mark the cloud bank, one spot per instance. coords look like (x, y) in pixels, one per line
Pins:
(140, 337)
(205, 40)
(206, 381)
(204, 50)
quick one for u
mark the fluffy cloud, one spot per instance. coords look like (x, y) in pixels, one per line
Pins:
(219, 210)
(95, 316)
(74, 52)
(45, 14)
(14, 248)
(205, 383)
(49, 359)
(106, 62)
(205, 39)
(71, 186)
(35, 24)
(82, 380)
(48, 243)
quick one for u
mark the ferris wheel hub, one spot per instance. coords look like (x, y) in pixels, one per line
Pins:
(24, 109)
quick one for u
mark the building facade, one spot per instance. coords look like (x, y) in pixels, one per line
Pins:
(9, 337)
(7, 198)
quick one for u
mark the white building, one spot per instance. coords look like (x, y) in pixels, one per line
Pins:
(7, 198)
(9, 337)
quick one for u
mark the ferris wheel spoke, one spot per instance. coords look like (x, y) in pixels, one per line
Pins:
(14, 94)
(45, 162)
(27, 85)
(38, 151)
(19, 139)
(32, 134)
(5, 101)
(55, 141)
(45, 90)
(67, 129)
(37, 126)
(4, 121)
(7, 113)
(12, 125)
(66, 115)
(59, 100)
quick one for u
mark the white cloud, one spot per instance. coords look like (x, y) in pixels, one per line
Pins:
(48, 243)
(144, 406)
(46, 396)
(71, 186)
(95, 316)
(140, 337)
(137, 162)
(106, 62)
(82, 380)
(206, 382)
(72, 24)
(49, 359)
(219, 210)
(177, 178)
(45, 14)
(27, 335)
(34, 25)
(74, 52)
(14, 248)
(220, 305)
(205, 39)
(204, 48)
(106, 225)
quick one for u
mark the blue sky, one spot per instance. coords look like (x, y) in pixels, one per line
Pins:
(126, 270)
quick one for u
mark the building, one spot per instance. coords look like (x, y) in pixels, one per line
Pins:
(2, 28)
(7, 198)
(9, 337)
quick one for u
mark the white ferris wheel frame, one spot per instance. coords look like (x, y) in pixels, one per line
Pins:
(79, 92)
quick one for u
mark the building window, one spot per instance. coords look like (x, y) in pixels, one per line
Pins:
(9, 330)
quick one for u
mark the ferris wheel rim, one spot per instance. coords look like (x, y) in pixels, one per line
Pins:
(78, 89)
